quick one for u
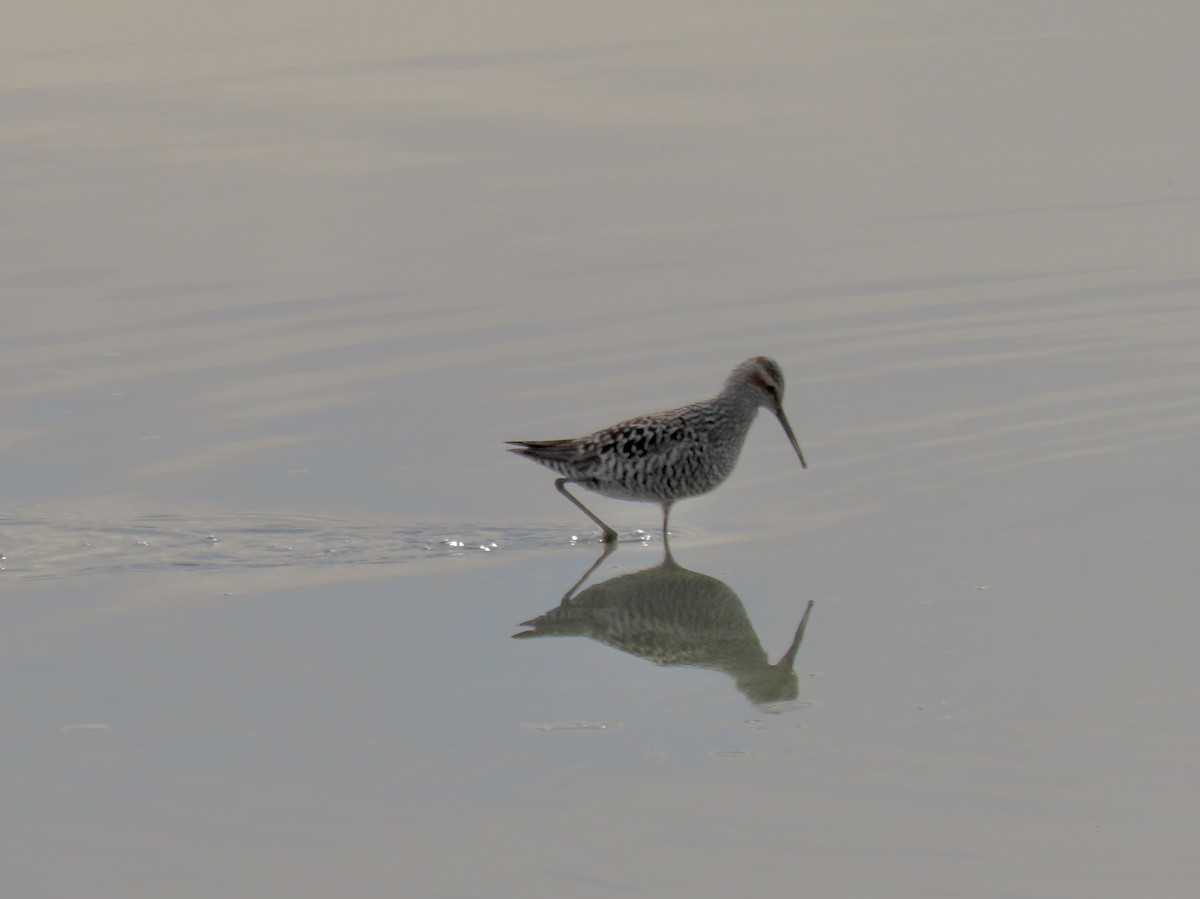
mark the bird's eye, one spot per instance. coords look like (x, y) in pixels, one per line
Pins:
(766, 385)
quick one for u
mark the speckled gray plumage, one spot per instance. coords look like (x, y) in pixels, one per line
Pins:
(667, 456)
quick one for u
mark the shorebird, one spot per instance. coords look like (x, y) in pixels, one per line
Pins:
(667, 456)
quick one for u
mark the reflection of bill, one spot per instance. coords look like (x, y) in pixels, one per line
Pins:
(673, 616)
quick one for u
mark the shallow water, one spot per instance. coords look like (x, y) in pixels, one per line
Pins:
(277, 286)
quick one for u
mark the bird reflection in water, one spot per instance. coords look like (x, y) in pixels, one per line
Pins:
(673, 616)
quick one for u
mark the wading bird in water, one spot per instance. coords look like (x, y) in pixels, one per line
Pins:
(667, 456)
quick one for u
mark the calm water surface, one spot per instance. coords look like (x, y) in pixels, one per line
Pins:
(276, 286)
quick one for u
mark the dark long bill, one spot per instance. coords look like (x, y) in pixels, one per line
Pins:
(787, 428)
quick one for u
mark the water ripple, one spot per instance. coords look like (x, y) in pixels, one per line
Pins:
(69, 544)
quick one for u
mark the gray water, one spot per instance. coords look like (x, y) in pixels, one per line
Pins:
(277, 283)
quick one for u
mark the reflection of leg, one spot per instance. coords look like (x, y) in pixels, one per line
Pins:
(666, 515)
(609, 548)
(668, 559)
(560, 485)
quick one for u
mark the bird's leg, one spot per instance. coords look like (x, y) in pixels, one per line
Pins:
(610, 536)
(666, 514)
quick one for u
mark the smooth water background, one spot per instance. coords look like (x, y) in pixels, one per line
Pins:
(278, 280)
